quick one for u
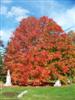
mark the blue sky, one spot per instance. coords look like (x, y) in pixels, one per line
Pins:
(13, 11)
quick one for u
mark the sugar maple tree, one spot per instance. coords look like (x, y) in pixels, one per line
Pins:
(38, 53)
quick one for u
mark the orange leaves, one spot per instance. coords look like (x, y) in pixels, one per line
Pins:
(57, 55)
(39, 74)
(38, 52)
(65, 69)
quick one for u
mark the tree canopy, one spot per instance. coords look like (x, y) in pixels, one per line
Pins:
(40, 52)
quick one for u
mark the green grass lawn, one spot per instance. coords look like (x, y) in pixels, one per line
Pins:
(39, 93)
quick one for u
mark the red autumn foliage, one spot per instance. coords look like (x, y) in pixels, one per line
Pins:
(39, 53)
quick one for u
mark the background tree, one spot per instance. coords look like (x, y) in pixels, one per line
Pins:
(72, 35)
(2, 74)
(39, 53)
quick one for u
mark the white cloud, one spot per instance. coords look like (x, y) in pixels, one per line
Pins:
(5, 35)
(66, 19)
(18, 13)
(19, 18)
(3, 10)
(6, 1)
